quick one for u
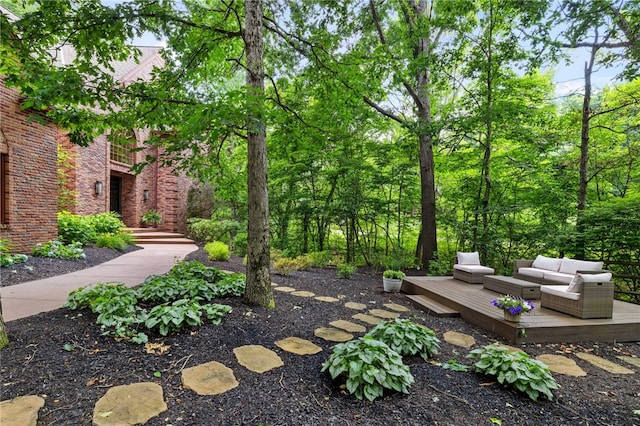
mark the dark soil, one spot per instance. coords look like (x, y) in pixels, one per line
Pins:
(36, 268)
(71, 381)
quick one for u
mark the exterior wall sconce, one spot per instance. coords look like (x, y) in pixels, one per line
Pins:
(145, 195)
(98, 187)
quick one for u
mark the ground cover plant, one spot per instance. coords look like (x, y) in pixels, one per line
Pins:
(36, 362)
(164, 303)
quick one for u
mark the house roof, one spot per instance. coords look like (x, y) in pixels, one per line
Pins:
(123, 70)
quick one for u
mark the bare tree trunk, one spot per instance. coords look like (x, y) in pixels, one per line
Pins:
(584, 153)
(258, 291)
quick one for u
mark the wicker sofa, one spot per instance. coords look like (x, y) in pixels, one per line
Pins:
(587, 296)
(553, 271)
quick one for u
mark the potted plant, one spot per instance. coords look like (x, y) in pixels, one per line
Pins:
(513, 307)
(392, 280)
(151, 218)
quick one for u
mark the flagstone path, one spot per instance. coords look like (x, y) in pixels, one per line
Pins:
(137, 403)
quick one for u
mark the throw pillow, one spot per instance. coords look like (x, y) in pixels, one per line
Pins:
(547, 263)
(468, 258)
(575, 286)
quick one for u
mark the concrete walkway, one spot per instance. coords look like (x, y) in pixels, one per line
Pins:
(34, 297)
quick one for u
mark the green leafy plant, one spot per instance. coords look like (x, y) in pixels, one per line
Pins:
(75, 229)
(346, 270)
(114, 241)
(454, 365)
(321, 258)
(217, 250)
(106, 223)
(393, 274)
(115, 304)
(406, 337)
(516, 369)
(172, 317)
(160, 289)
(186, 270)
(7, 259)
(59, 250)
(370, 367)
(151, 216)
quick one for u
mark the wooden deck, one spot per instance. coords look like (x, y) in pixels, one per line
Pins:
(473, 303)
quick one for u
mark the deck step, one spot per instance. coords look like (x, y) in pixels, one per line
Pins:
(437, 309)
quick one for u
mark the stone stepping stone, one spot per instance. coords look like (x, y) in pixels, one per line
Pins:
(369, 319)
(257, 358)
(396, 307)
(631, 360)
(332, 334)
(383, 313)
(355, 306)
(459, 339)
(349, 326)
(211, 378)
(562, 365)
(285, 289)
(298, 346)
(604, 364)
(133, 404)
(21, 411)
(303, 293)
(327, 299)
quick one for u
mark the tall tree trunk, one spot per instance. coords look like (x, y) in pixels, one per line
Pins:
(584, 153)
(427, 172)
(258, 290)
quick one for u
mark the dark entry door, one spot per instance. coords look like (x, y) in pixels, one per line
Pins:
(115, 194)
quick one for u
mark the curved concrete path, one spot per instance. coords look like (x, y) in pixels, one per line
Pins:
(33, 297)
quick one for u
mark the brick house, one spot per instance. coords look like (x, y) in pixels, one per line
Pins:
(98, 176)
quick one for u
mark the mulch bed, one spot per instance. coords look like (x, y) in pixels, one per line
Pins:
(37, 361)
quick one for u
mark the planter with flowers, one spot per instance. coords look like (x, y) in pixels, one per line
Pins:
(151, 218)
(513, 307)
(392, 280)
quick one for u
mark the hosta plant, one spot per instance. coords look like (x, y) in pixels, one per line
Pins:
(186, 270)
(59, 250)
(406, 337)
(369, 367)
(516, 369)
(172, 317)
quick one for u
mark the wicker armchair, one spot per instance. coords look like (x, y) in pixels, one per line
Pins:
(594, 301)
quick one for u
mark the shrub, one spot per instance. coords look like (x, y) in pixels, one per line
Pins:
(74, 228)
(114, 241)
(59, 250)
(369, 367)
(406, 337)
(346, 270)
(285, 266)
(106, 223)
(516, 369)
(240, 244)
(303, 262)
(320, 259)
(217, 250)
(205, 230)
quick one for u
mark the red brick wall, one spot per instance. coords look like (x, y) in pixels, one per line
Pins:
(32, 176)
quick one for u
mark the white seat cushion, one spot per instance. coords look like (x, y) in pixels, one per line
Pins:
(559, 290)
(475, 269)
(558, 277)
(468, 258)
(548, 263)
(532, 272)
(571, 266)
